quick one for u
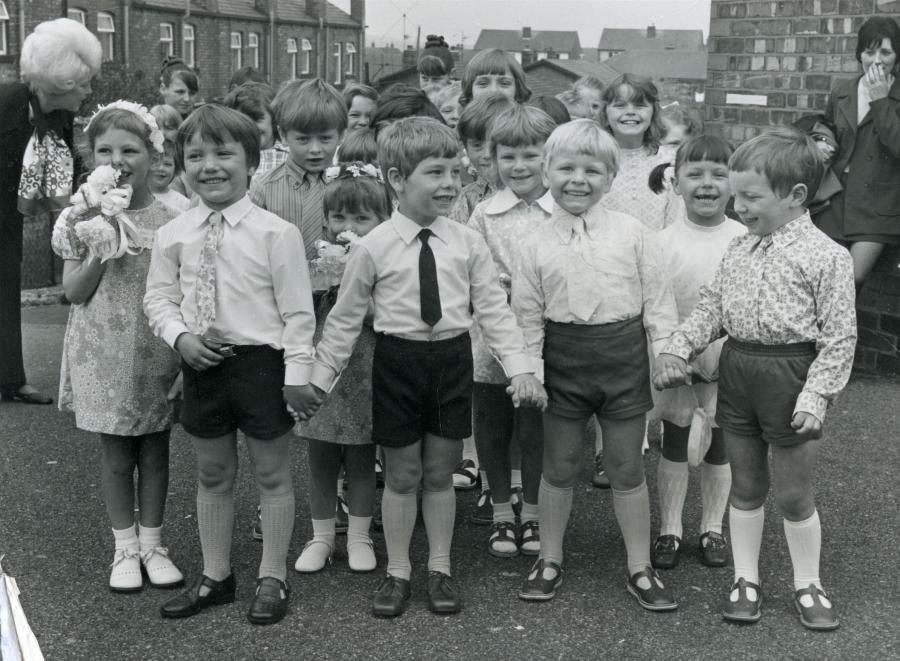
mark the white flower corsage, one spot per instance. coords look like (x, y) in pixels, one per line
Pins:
(354, 170)
(327, 269)
(157, 139)
(108, 234)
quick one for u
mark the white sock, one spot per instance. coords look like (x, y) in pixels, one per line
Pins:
(529, 511)
(215, 522)
(126, 538)
(323, 531)
(357, 529)
(503, 512)
(632, 510)
(469, 451)
(484, 481)
(715, 487)
(555, 506)
(515, 478)
(746, 538)
(804, 540)
(149, 538)
(398, 516)
(277, 529)
(439, 515)
(672, 484)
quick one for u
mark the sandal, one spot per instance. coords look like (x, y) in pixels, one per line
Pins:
(465, 476)
(713, 549)
(744, 609)
(503, 542)
(819, 616)
(537, 588)
(655, 597)
(530, 538)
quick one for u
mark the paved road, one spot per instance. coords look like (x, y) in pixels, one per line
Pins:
(54, 533)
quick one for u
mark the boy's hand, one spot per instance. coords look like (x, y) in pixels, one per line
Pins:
(177, 389)
(807, 425)
(196, 352)
(670, 371)
(526, 390)
(304, 400)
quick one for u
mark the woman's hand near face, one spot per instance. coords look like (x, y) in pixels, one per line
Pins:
(877, 82)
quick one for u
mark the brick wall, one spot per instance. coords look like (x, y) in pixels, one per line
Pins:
(783, 58)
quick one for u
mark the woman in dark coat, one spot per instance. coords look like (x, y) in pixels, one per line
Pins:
(58, 61)
(865, 216)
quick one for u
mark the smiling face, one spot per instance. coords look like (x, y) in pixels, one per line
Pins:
(312, 151)
(162, 172)
(494, 83)
(128, 154)
(760, 208)
(704, 187)
(577, 181)
(429, 191)
(479, 154)
(360, 114)
(178, 95)
(628, 117)
(519, 169)
(881, 55)
(216, 172)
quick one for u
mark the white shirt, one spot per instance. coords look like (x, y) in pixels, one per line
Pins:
(263, 293)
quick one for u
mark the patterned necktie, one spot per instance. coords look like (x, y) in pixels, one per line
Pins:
(429, 295)
(580, 274)
(206, 275)
(311, 214)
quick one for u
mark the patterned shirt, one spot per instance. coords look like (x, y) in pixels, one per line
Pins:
(269, 159)
(295, 195)
(793, 285)
(469, 197)
(630, 193)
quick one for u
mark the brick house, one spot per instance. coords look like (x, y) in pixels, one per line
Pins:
(679, 75)
(527, 45)
(771, 62)
(618, 40)
(550, 77)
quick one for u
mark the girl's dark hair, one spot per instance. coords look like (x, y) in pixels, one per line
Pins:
(553, 107)
(218, 124)
(118, 118)
(808, 122)
(359, 145)
(692, 150)
(354, 194)
(400, 101)
(175, 67)
(497, 62)
(874, 31)
(246, 75)
(642, 89)
(252, 99)
(436, 58)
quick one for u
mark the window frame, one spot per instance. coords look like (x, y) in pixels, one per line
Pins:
(77, 14)
(107, 35)
(236, 46)
(350, 52)
(292, 55)
(187, 28)
(337, 53)
(253, 49)
(4, 29)
(167, 45)
(306, 50)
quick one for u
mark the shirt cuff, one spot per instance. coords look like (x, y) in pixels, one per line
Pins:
(677, 345)
(812, 403)
(296, 374)
(322, 376)
(519, 363)
(173, 331)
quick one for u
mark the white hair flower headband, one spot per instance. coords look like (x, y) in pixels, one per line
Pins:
(157, 139)
(353, 170)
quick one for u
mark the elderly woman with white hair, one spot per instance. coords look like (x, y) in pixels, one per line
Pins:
(58, 61)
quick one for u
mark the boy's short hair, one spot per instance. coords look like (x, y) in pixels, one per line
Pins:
(689, 118)
(874, 31)
(520, 126)
(583, 137)
(217, 124)
(309, 106)
(359, 145)
(400, 101)
(552, 106)
(476, 118)
(785, 156)
(167, 118)
(358, 89)
(251, 99)
(407, 142)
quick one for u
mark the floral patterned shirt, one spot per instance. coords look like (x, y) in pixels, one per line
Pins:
(793, 285)
(630, 193)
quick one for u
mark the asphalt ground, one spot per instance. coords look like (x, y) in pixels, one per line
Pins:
(54, 532)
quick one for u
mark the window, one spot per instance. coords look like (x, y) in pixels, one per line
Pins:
(351, 57)
(4, 28)
(236, 62)
(76, 15)
(306, 49)
(292, 54)
(167, 39)
(106, 31)
(188, 52)
(338, 50)
(253, 50)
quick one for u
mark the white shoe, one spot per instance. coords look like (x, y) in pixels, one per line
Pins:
(126, 571)
(361, 555)
(161, 571)
(315, 555)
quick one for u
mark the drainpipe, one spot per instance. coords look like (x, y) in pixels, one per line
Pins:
(320, 59)
(271, 49)
(22, 23)
(126, 42)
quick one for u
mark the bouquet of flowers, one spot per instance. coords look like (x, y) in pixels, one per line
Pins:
(107, 233)
(327, 269)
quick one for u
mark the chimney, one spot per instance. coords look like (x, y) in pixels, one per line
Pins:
(358, 11)
(526, 33)
(651, 31)
(316, 9)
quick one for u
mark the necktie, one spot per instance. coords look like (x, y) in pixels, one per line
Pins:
(429, 295)
(580, 274)
(311, 214)
(206, 275)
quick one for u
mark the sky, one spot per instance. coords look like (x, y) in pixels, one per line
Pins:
(463, 19)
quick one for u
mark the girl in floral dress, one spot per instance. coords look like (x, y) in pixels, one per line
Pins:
(116, 376)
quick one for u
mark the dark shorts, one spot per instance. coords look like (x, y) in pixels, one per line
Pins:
(758, 389)
(242, 392)
(597, 369)
(421, 388)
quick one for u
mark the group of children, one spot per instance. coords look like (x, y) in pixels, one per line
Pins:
(380, 302)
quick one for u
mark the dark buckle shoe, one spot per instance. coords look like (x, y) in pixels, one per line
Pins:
(653, 598)
(713, 549)
(503, 542)
(190, 602)
(536, 587)
(744, 610)
(442, 595)
(530, 538)
(391, 597)
(270, 603)
(664, 554)
(820, 615)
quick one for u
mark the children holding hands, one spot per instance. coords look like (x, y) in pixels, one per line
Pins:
(784, 295)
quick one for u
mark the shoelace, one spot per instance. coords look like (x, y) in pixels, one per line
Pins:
(122, 555)
(156, 550)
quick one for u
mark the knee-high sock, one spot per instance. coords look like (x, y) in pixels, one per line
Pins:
(715, 485)
(672, 483)
(215, 521)
(439, 514)
(398, 516)
(746, 537)
(632, 509)
(554, 506)
(277, 527)
(804, 540)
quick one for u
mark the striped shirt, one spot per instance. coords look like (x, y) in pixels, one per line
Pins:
(296, 196)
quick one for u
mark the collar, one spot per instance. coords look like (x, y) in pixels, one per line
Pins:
(232, 215)
(408, 229)
(787, 234)
(289, 168)
(564, 222)
(505, 200)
